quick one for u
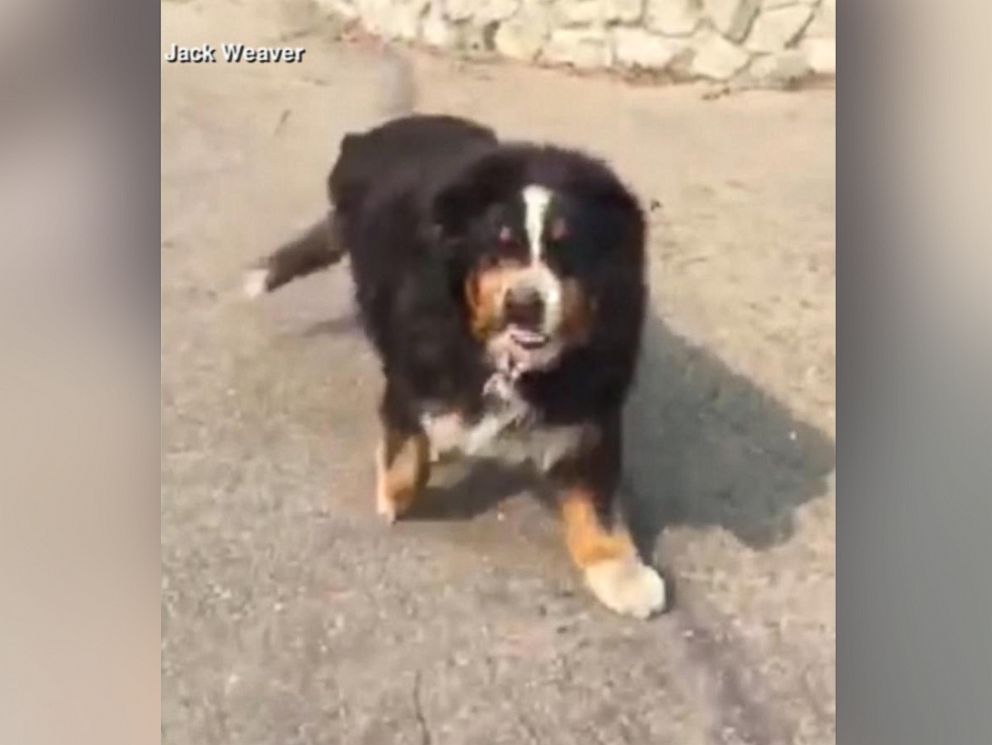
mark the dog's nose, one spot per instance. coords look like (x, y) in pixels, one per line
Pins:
(524, 307)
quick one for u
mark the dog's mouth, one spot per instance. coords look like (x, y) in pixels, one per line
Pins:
(528, 339)
(524, 349)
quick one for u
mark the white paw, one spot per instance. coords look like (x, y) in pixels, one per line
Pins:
(255, 282)
(627, 586)
(385, 509)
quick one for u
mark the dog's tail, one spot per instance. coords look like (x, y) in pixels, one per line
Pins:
(319, 247)
(398, 88)
(322, 245)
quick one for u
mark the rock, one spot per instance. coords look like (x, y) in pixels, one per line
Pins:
(584, 49)
(459, 10)
(780, 68)
(673, 17)
(732, 18)
(589, 12)
(824, 23)
(391, 20)
(435, 31)
(635, 47)
(475, 41)
(713, 39)
(718, 59)
(481, 11)
(765, 4)
(622, 11)
(404, 20)
(821, 54)
(522, 37)
(488, 11)
(775, 29)
(577, 12)
(344, 8)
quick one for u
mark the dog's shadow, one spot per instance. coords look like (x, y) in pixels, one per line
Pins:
(464, 490)
(703, 446)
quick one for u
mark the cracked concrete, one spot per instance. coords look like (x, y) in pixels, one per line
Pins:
(291, 615)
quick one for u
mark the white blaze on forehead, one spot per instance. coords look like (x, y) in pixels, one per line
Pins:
(538, 275)
(536, 201)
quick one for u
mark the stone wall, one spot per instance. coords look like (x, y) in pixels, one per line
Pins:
(744, 41)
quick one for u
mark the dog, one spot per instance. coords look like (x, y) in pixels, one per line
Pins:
(502, 286)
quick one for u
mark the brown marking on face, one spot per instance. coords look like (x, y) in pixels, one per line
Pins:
(559, 229)
(577, 313)
(588, 540)
(403, 468)
(484, 293)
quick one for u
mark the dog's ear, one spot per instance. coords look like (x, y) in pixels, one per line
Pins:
(457, 204)
(471, 191)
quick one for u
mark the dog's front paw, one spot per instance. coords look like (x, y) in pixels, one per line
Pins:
(627, 586)
(385, 508)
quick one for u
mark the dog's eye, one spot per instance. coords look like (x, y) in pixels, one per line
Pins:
(507, 243)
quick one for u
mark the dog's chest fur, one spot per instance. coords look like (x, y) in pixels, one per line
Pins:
(506, 430)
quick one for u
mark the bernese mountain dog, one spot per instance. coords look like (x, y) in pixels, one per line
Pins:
(502, 286)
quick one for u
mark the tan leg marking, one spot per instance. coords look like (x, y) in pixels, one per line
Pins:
(613, 570)
(400, 478)
(587, 540)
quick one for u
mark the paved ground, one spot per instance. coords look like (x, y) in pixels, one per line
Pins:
(291, 615)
